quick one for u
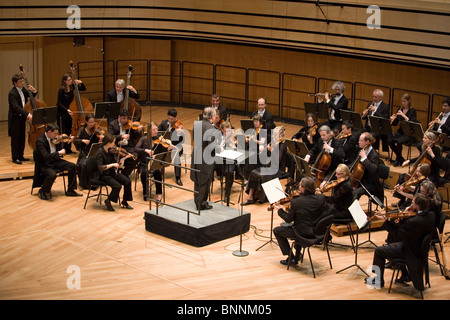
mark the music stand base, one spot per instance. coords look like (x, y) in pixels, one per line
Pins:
(240, 253)
(270, 241)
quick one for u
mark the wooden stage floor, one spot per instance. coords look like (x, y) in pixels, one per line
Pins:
(42, 242)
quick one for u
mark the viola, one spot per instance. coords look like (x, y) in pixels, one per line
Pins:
(284, 201)
(407, 213)
(131, 125)
(332, 184)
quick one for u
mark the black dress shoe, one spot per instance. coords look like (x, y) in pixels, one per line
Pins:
(293, 262)
(403, 279)
(108, 205)
(17, 161)
(373, 282)
(126, 205)
(178, 181)
(42, 195)
(246, 203)
(73, 193)
(24, 159)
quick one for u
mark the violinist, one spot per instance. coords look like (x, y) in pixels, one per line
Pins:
(329, 145)
(65, 98)
(341, 196)
(126, 138)
(48, 159)
(336, 103)
(215, 103)
(148, 148)
(88, 134)
(255, 143)
(304, 212)
(399, 138)
(108, 169)
(118, 94)
(174, 125)
(309, 134)
(278, 151)
(348, 142)
(408, 245)
(432, 152)
(369, 159)
(403, 189)
(17, 117)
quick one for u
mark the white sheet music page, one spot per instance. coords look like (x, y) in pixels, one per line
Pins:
(273, 190)
(358, 214)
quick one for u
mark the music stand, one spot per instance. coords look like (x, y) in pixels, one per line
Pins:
(412, 129)
(93, 150)
(381, 125)
(108, 110)
(164, 160)
(297, 148)
(224, 156)
(247, 124)
(44, 116)
(319, 109)
(354, 117)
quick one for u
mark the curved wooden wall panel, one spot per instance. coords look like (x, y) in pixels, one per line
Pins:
(412, 31)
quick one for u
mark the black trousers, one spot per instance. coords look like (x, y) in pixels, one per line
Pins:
(17, 133)
(389, 252)
(49, 174)
(157, 175)
(203, 187)
(116, 181)
(282, 234)
(397, 141)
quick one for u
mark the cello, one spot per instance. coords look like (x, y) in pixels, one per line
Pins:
(32, 105)
(321, 165)
(134, 109)
(79, 106)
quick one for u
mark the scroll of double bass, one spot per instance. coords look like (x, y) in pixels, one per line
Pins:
(32, 105)
(80, 106)
(134, 109)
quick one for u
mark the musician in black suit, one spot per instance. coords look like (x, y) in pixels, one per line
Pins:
(336, 103)
(376, 108)
(411, 235)
(118, 94)
(17, 117)
(329, 145)
(305, 212)
(265, 115)
(206, 139)
(442, 123)
(370, 160)
(173, 125)
(309, 134)
(399, 138)
(48, 158)
(126, 138)
(348, 142)
(215, 103)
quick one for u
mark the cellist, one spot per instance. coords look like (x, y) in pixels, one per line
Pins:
(329, 146)
(65, 98)
(370, 160)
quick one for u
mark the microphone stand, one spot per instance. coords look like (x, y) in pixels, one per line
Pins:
(240, 252)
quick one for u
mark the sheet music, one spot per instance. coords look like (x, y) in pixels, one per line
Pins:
(229, 154)
(358, 214)
(273, 190)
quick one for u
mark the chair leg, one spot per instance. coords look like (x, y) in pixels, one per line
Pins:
(310, 261)
(328, 253)
(87, 197)
(290, 255)
(392, 278)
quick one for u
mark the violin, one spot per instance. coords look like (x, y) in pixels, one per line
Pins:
(412, 182)
(311, 133)
(286, 200)
(164, 142)
(121, 152)
(407, 213)
(331, 185)
(64, 138)
(131, 125)
(258, 129)
(177, 125)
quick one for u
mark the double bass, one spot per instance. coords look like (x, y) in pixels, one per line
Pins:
(80, 106)
(31, 106)
(134, 109)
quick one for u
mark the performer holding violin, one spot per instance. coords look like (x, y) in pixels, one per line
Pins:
(108, 162)
(309, 134)
(257, 176)
(49, 153)
(326, 154)
(17, 116)
(305, 212)
(175, 126)
(126, 137)
(341, 196)
(408, 246)
(88, 134)
(65, 97)
(148, 147)
(348, 141)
